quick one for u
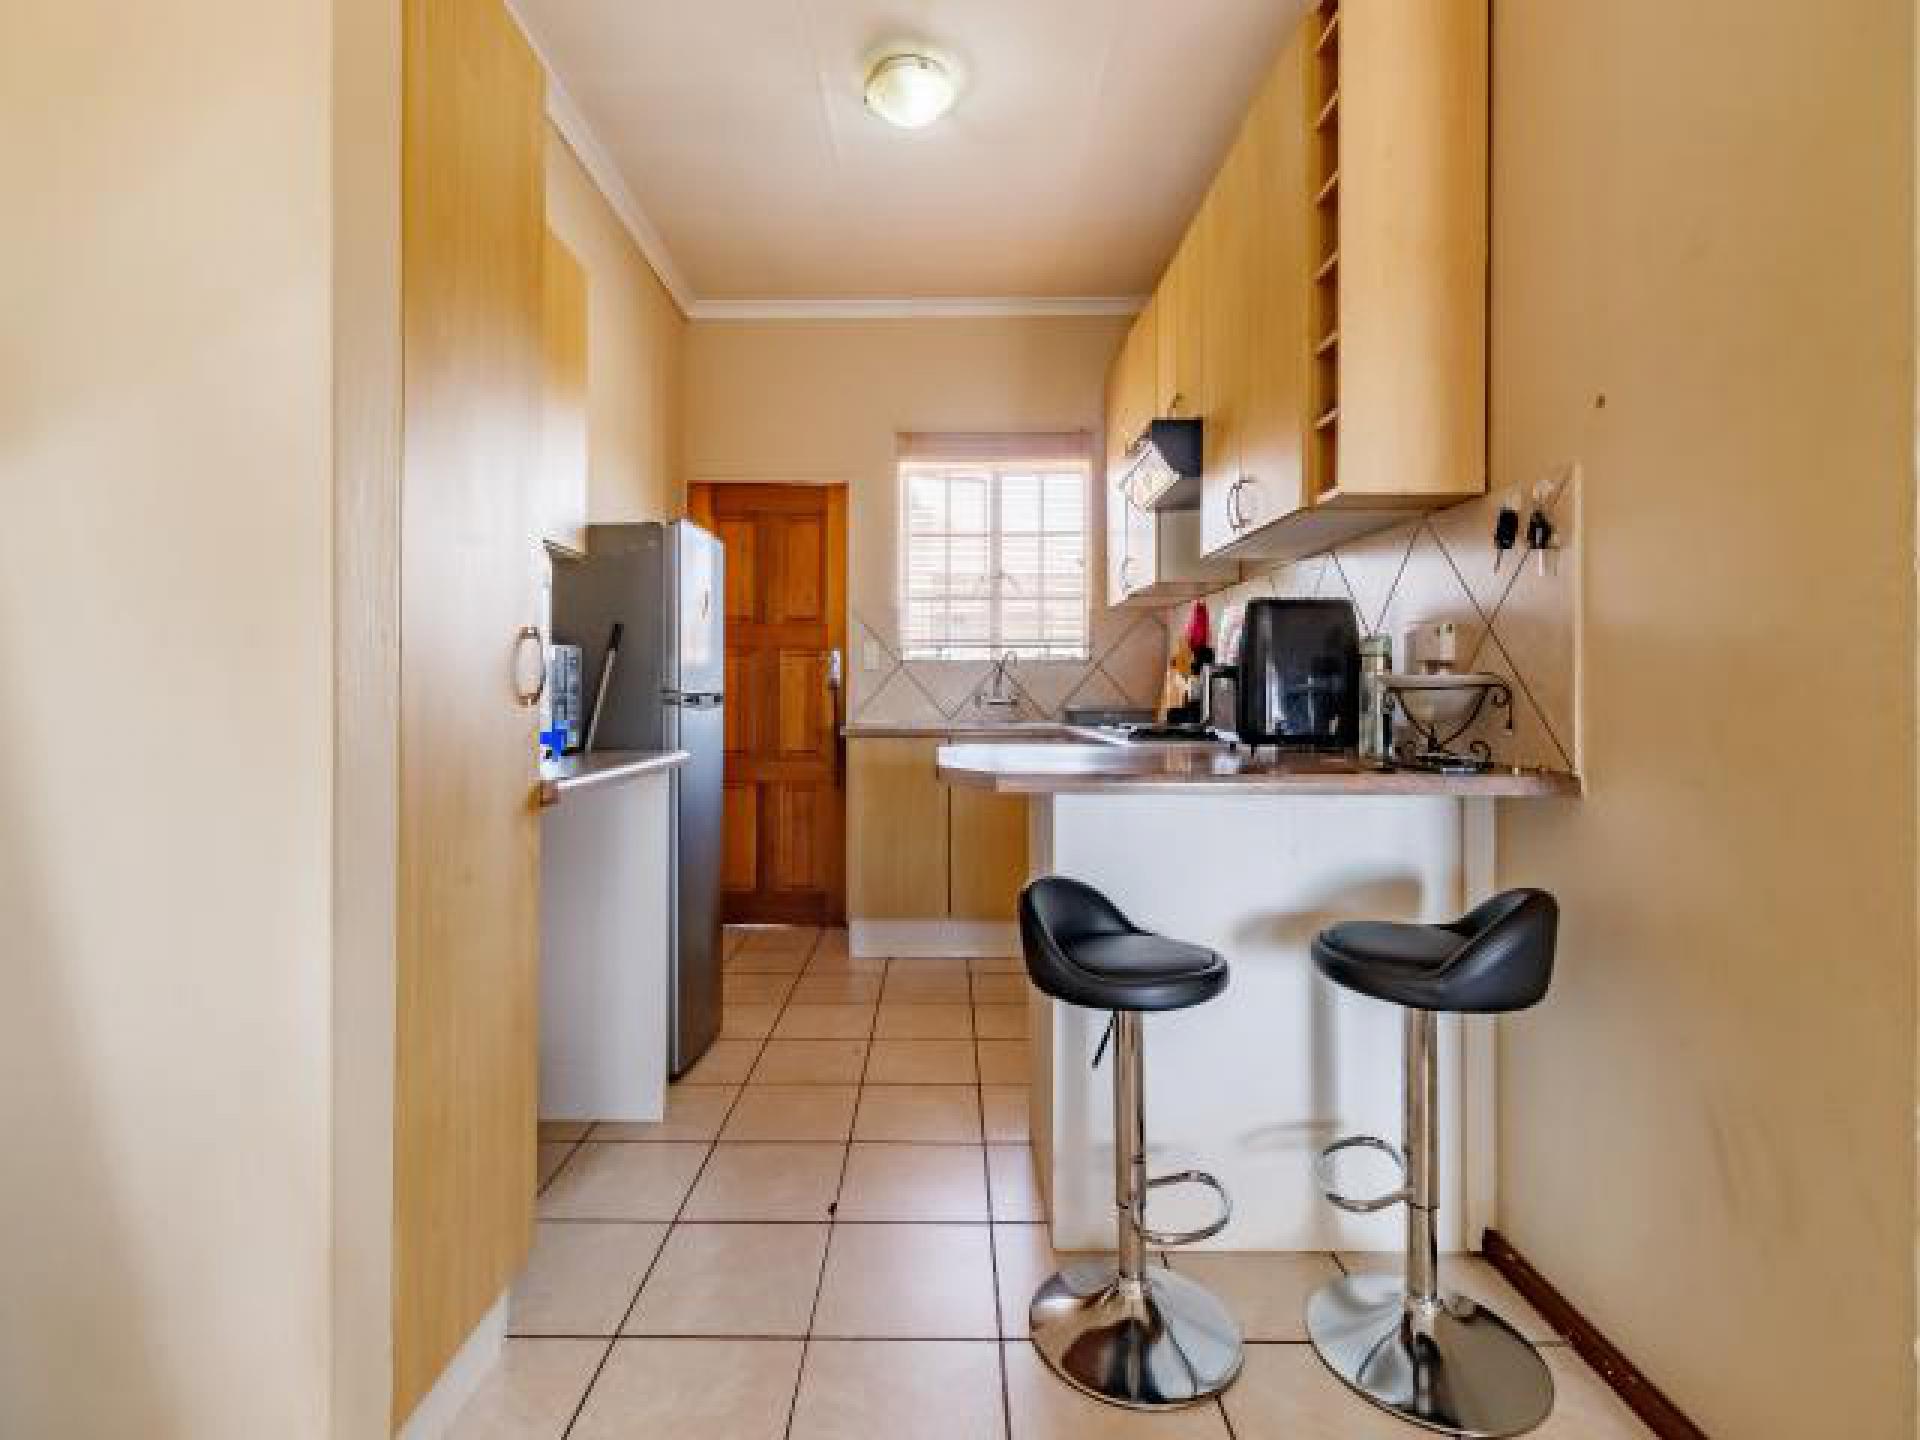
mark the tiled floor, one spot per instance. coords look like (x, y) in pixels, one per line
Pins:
(834, 1234)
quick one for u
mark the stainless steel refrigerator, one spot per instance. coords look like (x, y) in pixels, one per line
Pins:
(664, 585)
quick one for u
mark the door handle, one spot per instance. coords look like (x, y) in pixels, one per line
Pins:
(835, 686)
(529, 696)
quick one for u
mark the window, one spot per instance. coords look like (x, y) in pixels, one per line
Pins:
(994, 556)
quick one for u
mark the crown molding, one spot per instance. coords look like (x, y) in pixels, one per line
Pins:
(970, 308)
(572, 124)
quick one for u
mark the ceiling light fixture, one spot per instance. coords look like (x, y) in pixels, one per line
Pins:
(910, 90)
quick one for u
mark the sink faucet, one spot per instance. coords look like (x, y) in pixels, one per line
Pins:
(993, 690)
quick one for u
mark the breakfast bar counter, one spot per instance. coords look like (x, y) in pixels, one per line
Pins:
(1093, 769)
(1252, 855)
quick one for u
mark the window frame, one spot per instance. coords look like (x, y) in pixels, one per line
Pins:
(997, 469)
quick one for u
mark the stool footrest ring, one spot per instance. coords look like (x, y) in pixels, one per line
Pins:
(1361, 1205)
(1205, 1232)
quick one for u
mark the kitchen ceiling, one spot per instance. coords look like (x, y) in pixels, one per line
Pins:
(1081, 144)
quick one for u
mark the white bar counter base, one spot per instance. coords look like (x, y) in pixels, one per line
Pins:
(605, 863)
(1253, 859)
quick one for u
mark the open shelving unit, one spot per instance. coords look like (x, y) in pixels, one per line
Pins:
(1323, 307)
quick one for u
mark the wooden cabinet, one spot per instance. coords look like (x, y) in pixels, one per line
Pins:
(467, 951)
(563, 428)
(896, 830)
(1325, 313)
(1152, 556)
(987, 854)
(918, 849)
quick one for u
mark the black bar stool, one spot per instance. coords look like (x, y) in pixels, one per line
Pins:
(1130, 1333)
(1436, 1359)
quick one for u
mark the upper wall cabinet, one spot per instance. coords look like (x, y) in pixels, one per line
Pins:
(1325, 314)
(563, 431)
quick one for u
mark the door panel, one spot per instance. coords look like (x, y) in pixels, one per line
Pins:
(786, 608)
(468, 940)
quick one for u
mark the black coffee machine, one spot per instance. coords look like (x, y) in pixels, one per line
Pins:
(1299, 675)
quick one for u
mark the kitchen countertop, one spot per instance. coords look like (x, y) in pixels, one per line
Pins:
(574, 773)
(1005, 731)
(1105, 768)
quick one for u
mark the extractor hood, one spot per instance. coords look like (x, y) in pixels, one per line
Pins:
(1163, 466)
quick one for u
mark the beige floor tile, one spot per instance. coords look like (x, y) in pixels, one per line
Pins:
(564, 1129)
(1015, 1191)
(1265, 1291)
(934, 1114)
(747, 988)
(767, 1182)
(921, 1062)
(927, 965)
(832, 943)
(1583, 1407)
(925, 1390)
(551, 1156)
(1023, 1258)
(914, 1182)
(780, 939)
(622, 1182)
(810, 1062)
(900, 1021)
(825, 1022)
(745, 961)
(727, 1062)
(741, 1280)
(1003, 1110)
(925, 986)
(581, 1276)
(693, 1390)
(1285, 1393)
(1003, 1062)
(532, 1392)
(1044, 1407)
(997, 965)
(1001, 990)
(694, 1112)
(828, 966)
(836, 989)
(792, 1112)
(922, 1282)
(743, 1020)
(1000, 1022)
(1468, 1275)
(732, 938)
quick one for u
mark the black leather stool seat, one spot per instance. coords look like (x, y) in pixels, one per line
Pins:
(1081, 949)
(1498, 958)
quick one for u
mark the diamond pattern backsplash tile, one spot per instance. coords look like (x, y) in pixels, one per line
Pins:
(1129, 652)
(1519, 621)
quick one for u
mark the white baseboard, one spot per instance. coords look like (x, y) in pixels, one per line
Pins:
(433, 1417)
(923, 938)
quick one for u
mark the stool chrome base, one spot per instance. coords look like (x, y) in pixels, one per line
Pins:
(1156, 1343)
(1464, 1371)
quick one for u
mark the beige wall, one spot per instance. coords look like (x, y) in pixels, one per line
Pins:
(166, 668)
(635, 341)
(809, 401)
(1703, 215)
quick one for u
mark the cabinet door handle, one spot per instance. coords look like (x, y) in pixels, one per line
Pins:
(526, 696)
(1233, 504)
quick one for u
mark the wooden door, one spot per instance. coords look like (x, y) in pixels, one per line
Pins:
(785, 820)
(468, 941)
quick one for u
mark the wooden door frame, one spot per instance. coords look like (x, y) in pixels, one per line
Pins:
(700, 495)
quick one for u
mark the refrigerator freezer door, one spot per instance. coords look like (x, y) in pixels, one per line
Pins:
(699, 729)
(699, 602)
